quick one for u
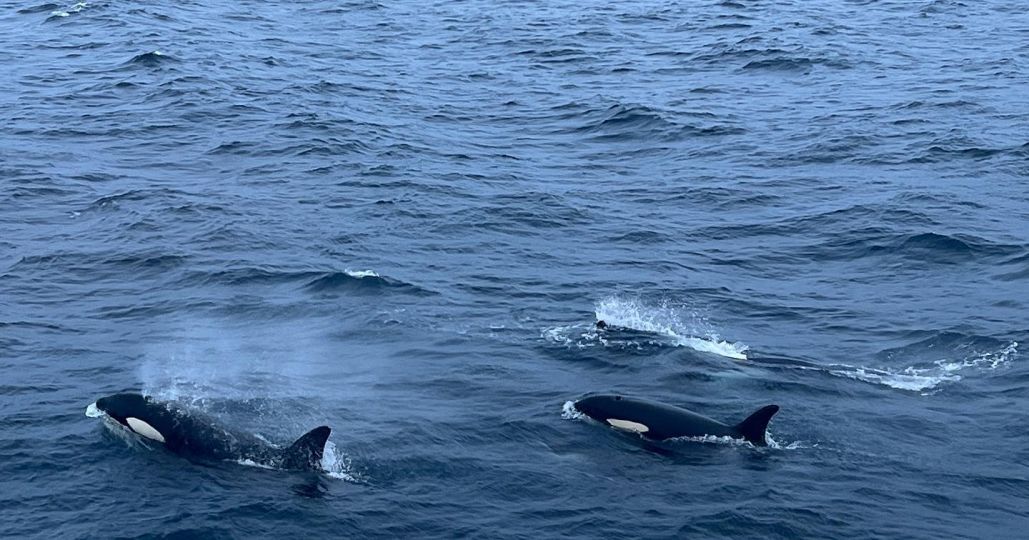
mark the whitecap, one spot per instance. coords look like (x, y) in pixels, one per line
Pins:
(74, 8)
(360, 273)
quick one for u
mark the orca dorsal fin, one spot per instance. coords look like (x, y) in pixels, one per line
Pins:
(306, 452)
(753, 428)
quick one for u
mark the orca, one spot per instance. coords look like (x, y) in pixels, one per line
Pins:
(192, 434)
(658, 421)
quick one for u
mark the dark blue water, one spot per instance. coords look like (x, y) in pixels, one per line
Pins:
(402, 220)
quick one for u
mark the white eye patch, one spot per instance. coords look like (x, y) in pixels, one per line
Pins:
(144, 429)
(628, 425)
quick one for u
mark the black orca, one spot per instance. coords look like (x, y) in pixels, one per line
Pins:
(659, 421)
(195, 435)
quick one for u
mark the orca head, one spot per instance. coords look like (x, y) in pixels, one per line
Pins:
(611, 410)
(133, 411)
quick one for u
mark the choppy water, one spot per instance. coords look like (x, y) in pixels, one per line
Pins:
(402, 220)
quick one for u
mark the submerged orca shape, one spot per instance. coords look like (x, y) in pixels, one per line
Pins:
(195, 435)
(659, 421)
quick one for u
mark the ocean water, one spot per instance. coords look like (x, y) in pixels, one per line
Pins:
(402, 219)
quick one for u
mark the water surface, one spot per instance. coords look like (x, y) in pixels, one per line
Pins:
(403, 219)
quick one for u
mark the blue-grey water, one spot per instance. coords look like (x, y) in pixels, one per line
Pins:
(402, 219)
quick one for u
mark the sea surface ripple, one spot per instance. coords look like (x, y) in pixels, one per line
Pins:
(402, 219)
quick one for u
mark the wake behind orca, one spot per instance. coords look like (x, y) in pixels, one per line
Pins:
(658, 421)
(195, 435)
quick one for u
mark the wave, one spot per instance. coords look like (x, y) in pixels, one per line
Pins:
(150, 195)
(634, 324)
(58, 13)
(38, 9)
(892, 229)
(621, 122)
(924, 246)
(784, 63)
(350, 281)
(151, 59)
(360, 281)
(772, 59)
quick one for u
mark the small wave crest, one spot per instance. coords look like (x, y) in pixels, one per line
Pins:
(358, 281)
(68, 11)
(151, 59)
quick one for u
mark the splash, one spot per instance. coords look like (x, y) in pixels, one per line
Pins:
(338, 465)
(683, 327)
(730, 441)
(712, 439)
(569, 412)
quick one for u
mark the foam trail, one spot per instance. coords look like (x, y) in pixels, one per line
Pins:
(929, 378)
(668, 321)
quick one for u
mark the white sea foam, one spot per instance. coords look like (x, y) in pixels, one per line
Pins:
(712, 439)
(360, 273)
(575, 335)
(795, 445)
(928, 379)
(730, 441)
(74, 8)
(252, 463)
